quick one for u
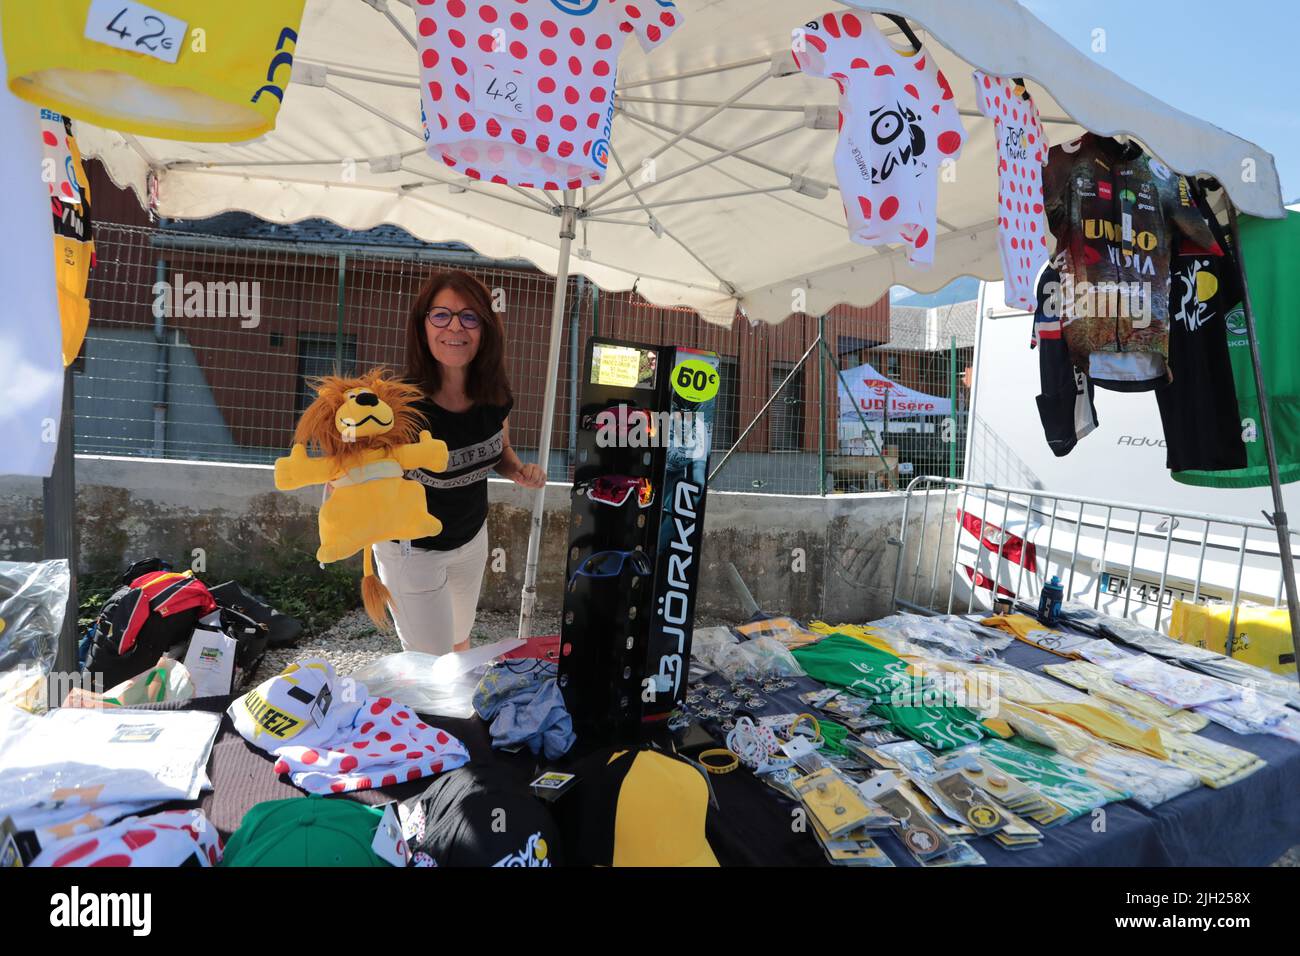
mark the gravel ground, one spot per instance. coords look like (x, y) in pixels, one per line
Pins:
(354, 642)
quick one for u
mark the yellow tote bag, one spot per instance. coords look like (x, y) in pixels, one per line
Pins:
(1262, 636)
(106, 61)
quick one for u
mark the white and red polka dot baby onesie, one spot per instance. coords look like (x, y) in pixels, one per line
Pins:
(1022, 151)
(898, 123)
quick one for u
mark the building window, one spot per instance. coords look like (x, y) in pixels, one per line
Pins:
(316, 357)
(893, 367)
(785, 416)
(726, 410)
(852, 350)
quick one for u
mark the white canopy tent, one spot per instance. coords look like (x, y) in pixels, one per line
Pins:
(720, 194)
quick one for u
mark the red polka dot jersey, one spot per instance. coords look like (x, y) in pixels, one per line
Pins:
(170, 838)
(898, 123)
(521, 92)
(57, 148)
(329, 736)
(1022, 152)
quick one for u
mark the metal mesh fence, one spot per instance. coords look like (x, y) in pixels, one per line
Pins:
(200, 347)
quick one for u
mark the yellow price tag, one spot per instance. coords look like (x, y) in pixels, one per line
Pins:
(695, 380)
(617, 366)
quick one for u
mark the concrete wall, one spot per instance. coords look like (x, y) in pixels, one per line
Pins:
(807, 556)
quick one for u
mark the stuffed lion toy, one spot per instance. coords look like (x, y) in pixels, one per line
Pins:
(366, 431)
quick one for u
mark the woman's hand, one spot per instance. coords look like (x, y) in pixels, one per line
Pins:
(529, 476)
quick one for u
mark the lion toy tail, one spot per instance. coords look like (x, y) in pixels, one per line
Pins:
(373, 593)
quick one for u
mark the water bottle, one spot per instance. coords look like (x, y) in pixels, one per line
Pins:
(1049, 602)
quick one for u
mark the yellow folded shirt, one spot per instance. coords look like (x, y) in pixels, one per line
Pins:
(1107, 726)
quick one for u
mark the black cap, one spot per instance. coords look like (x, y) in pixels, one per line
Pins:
(479, 816)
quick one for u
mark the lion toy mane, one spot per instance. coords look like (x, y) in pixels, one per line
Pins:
(367, 433)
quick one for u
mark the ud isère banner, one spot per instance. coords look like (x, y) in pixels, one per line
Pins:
(875, 396)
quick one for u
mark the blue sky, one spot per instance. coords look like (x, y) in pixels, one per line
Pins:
(1234, 64)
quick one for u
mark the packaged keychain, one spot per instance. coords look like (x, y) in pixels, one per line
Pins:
(833, 801)
(921, 835)
(966, 802)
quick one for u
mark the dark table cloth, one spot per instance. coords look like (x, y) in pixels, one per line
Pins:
(1249, 823)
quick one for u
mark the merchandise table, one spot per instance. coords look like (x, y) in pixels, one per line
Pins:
(1249, 823)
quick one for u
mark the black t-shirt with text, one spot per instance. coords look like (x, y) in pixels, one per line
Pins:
(458, 497)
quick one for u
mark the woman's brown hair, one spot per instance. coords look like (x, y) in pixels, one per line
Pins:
(485, 382)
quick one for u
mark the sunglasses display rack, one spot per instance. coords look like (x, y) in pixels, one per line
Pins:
(636, 527)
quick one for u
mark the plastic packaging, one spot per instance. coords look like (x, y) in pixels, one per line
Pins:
(168, 680)
(709, 644)
(1083, 618)
(33, 599)
(785, 629)
(1172, 686)
(432, 683)
(102, 758)
(1252, 713)
(760, 658)
(952, 635)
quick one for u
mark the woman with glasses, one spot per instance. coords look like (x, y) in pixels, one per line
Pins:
(455, 351)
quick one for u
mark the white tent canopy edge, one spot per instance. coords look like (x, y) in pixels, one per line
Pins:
(715, 266)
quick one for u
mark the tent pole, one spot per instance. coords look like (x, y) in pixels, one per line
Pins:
(528, 596)
(1278, 519)
(60, 541)
(821, 410)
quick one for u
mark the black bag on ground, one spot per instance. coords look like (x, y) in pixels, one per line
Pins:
(144, 566)
(281, 629)
(155, 612)
(250, 637)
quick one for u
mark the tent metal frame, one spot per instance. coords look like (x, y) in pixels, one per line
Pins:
(570, 213)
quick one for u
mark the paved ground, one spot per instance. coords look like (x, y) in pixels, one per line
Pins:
(354, 642)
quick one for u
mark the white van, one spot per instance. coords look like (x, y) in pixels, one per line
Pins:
(1192, 543)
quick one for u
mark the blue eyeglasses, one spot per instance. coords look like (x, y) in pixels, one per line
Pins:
(441, 318)
(610, 564)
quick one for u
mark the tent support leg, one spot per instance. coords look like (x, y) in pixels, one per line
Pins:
(60, 494)
(1278, 518)
(528, 596)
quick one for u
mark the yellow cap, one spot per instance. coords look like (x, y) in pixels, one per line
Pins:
(660, 820)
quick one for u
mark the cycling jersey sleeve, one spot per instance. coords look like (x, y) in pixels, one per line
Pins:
(652, 21)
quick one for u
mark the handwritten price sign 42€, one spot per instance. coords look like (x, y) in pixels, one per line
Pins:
(133, 26)
(504, 93)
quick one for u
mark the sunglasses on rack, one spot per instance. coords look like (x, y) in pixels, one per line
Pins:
(615, 490)
(610, 564)
(441, 318)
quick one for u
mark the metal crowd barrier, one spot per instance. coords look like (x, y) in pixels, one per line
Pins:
(1124, 559)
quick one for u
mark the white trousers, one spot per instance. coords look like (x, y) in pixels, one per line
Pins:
(434, 593)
